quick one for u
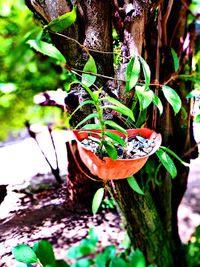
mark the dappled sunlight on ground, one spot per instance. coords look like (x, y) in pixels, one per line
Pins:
(48, 217)
(26, 218)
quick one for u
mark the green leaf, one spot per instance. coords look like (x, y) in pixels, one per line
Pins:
(102, 259)
(90, 66)
(116, 138)
(123, 109)
(175, 59)
(110, 149)
(134, 185)
(44, 252)
(93, 237)
(173, 154)
(146, 72)
(62, 22)
(197, 119)
(115, 126)
(97, 93)
(24, 253)
(81, 250)
(92, 126)
(157, 102)
(82, 263)
(145, 97)
(118, 262)
(97, 199)
(89, 117)
(167, 162)
(87, 102)
(137, 259)
(47, 49)
(172, 97)
(132, 73)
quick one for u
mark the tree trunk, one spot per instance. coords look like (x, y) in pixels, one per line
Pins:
(143, 224)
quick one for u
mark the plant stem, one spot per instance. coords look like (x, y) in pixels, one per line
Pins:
(101, 120)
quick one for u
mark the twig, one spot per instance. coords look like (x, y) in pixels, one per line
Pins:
(98, 75)
(165, 19)
(191, 150)
(157, 74)
(81, 45)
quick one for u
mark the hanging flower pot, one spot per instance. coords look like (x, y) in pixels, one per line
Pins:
(106, 168)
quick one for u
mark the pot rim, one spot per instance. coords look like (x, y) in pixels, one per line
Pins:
(152, 135)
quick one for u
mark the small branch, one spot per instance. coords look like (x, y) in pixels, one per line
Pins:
(81, 45)
(187, 153)
(171, 79)
(165, 19)
(157, 74)
(98, 75)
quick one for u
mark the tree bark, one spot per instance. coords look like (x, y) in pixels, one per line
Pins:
(143, 223)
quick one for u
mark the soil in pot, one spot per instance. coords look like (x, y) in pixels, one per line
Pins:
(136, 147)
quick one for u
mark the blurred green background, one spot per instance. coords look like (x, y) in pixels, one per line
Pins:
(23, 73)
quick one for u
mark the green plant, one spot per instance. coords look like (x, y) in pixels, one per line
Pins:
(98, 102)
(193, 249)
(86, 254)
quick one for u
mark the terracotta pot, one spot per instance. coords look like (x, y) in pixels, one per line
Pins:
(107, 168)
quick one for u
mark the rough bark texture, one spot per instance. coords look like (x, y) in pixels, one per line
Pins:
(98, 33)
(151, 219)
(143, 224)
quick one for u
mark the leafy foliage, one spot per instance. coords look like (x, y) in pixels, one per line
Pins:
(193, 248)
(87, 253)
